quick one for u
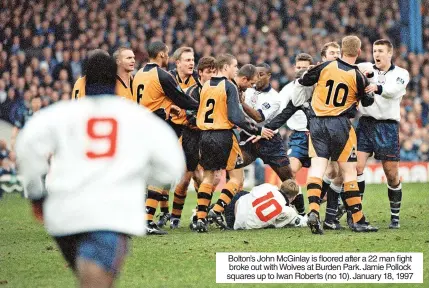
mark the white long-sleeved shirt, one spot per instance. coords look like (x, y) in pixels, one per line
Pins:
(391, 88)
(104, 151)
(265, 206)
(266, 102)
(298, 121)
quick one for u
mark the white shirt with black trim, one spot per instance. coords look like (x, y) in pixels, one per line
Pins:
(267, 102)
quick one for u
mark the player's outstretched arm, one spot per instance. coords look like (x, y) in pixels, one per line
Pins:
(173, 91)
(366, 97)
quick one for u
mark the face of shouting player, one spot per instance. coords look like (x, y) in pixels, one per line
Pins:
(332, 53)
(382, 57)
(185, 65)
(127, 60)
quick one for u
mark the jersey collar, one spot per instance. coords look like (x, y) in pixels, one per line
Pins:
(392, 66)
(266, 89)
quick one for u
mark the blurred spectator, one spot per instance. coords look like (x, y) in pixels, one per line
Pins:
(43, 44)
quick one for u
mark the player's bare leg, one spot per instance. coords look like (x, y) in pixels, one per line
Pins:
(331, 172)
(394, 189)
(91, 275)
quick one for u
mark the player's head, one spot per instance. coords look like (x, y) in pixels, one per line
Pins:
(350, 46)
(100, 75)
(264, 76)
(36, 103)
(206, 68)
(302, 62)
(382, 52)
(125, 59)
(289, 189)
(330, 51)
(184, 58)
(158, 52)
(246, 77)
(89, 55)
(226, 64)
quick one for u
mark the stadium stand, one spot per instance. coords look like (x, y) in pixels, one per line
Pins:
(42, 47)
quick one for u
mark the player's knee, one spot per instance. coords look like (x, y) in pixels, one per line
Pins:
(92, 275)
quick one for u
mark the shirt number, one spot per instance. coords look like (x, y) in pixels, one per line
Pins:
(340, 86)
(263, 203)
(103, 134)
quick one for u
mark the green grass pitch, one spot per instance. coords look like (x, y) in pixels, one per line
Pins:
(29, 258)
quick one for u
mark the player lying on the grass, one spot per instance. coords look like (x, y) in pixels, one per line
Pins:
(265, 206)
(91, 212)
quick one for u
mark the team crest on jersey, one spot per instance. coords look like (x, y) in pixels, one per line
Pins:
(266, 106)
(381, 79)
(399, 80)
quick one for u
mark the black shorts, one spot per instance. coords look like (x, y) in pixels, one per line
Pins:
(380, 137)
(178, 128)
(219, 150)
(272, 152)
(191, 147)
(230, 209)
(334, 138)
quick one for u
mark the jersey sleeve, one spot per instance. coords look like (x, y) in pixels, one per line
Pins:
(395, 87)
(235, 114)
(283, 117)
(173, 91)
(312, 76)
(35, 144)
(367, 99)
(167, 162)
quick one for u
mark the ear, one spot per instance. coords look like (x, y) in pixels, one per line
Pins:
(359, 52)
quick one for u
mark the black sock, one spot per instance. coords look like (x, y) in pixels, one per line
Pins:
(361, 184)
(332, 204)
(298, 202)
(395, 197)
(325, 186)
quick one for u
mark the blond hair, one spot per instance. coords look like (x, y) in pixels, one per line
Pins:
(179, 51)
(350, 46)
(119, 51)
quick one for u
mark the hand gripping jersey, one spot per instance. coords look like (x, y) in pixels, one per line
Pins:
(121, 89)
(101, 164)
(264, 206)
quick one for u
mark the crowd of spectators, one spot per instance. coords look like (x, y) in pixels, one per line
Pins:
(42, 46)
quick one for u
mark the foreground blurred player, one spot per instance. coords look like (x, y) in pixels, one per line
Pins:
(266, 206)
(378, 129)
(91, 211)
(157, 90)
(125, 61)
(340, 87)
(218, 113)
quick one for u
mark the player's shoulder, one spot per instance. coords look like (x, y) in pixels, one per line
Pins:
(264, 188)
(400, 70)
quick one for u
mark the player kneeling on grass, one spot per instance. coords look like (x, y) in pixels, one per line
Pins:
(265, 206)
(100, 164)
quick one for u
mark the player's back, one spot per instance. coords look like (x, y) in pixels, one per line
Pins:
(213, 110)
(121, 89)
(101, 162)
(147, 89)
(262, 207)
(339, 87)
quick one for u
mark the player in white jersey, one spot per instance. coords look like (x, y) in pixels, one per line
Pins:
(262, 105)
(378, 129)
(265, 206)
(97, 163)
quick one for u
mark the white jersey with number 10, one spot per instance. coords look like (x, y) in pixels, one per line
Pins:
(264, 206)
